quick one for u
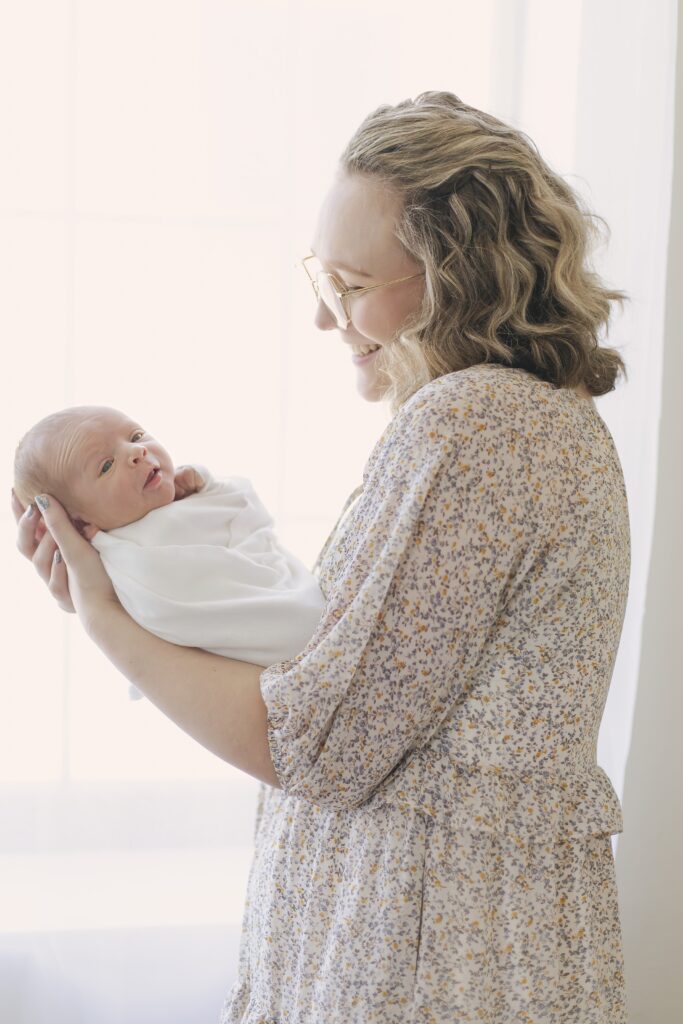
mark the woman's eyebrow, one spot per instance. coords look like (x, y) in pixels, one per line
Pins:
(339, 265)
(351, 270)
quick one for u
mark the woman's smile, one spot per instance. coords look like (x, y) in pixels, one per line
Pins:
(363, 353)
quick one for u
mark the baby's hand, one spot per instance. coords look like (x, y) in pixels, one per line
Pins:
(187, 481)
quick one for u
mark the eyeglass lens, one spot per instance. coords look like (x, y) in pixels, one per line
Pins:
(331, 299)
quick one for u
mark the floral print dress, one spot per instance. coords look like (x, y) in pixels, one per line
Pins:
(440, 849)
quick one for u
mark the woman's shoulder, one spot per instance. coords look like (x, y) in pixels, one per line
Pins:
(458, 402)
(441, 415)
(474, 408)
(503, 395)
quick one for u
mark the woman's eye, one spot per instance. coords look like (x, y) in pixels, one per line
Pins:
(104, 469)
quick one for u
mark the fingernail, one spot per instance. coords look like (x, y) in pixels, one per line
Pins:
(42, 501)
(30, 510)
(58, 556)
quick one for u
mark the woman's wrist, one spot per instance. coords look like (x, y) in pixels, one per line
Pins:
(98, 617)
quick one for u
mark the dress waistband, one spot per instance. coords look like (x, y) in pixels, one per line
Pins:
(528, 806)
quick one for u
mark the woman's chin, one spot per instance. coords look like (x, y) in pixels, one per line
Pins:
(369, 385)
(370, 391)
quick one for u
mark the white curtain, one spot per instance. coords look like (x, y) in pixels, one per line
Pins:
(161, 164)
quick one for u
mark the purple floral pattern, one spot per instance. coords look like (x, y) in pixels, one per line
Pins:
(440, 848)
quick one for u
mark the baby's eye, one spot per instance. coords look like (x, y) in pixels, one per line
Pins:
(138, 434)
(105, 465)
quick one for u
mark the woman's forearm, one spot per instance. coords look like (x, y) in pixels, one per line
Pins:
(215, 700)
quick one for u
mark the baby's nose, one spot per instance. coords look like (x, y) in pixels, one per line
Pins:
(139, 452)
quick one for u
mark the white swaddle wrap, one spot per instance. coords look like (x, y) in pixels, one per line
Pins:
(207, 571)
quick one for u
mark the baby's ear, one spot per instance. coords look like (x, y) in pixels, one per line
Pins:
(87, 530)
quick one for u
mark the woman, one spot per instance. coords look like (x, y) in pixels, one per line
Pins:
(433, 842)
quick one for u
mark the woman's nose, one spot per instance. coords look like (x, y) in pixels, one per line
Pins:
(323, 318)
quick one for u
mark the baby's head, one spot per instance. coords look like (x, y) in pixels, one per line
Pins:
(103, 467)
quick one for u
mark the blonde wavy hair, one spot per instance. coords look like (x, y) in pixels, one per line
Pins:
(505, 244)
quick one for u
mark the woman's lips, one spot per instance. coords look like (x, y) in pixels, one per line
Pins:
(358, 359)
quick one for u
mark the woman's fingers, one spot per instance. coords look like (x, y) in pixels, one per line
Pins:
(17, 507)
(44, 555)
(59, 583)
(53, 571)
(59, 525)
(31, 527)
(48, 559)
(26, 531)
(36, 543)
(80, 583)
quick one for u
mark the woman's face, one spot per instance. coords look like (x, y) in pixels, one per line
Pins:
(355, 241)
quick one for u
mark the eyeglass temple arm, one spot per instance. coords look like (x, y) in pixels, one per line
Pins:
(355, 291)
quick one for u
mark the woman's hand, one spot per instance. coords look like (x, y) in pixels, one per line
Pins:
(187, 481)
(36, 543)
(223, 708)
(64, 559)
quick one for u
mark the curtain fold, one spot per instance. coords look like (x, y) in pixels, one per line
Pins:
(593, 85)
(624, 157)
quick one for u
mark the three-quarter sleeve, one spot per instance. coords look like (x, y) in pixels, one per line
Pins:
(412, 593)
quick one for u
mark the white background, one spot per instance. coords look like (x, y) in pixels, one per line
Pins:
(161, 165)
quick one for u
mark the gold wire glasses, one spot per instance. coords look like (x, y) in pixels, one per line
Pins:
(336, 296)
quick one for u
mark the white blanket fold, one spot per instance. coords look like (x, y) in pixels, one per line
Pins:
(207, 571)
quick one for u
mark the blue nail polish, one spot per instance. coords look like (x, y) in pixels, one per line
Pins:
(42, 502)
(30, 510)
(58, 556)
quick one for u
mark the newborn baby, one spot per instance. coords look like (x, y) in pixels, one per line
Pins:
(202, 570)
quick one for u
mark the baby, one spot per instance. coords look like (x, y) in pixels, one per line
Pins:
(205, 571)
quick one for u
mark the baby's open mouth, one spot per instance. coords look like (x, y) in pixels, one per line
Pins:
(152, 476)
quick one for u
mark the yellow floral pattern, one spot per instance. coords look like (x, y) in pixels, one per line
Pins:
(440, 848)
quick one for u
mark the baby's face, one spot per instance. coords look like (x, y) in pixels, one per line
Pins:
(105, 460)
